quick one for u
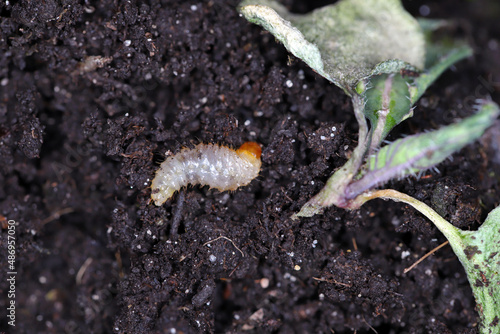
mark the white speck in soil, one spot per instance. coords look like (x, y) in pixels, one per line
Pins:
(405, 254)
(424, 10)
(301, 75)
(493, 44)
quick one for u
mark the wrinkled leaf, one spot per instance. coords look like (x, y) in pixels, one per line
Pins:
(347, 41)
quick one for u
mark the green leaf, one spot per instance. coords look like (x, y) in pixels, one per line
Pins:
(455, 54)
(388, 103)
(440, 54)
(390, 97)
(348, 41)
(422, 151)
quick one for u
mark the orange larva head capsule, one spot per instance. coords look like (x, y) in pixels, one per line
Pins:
(250, 147)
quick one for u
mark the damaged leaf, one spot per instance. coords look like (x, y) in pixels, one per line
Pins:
(478, 251)
(347, 41)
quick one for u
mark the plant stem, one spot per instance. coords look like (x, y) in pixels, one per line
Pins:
(450, 232)
(334, 190)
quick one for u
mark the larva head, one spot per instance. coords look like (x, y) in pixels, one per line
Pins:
(160, 193)
(250, 151)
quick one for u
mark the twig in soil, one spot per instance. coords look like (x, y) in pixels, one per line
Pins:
(223, 237)
(119, 261)
(82, 270)
(425, 256)
(232, 271)
(177, 214)
(56, 215)
(366, 322)
(332, 281)
(354, 244)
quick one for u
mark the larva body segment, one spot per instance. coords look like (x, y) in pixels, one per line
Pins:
(217, 166)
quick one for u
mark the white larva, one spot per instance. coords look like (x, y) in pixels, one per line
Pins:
(217, 166)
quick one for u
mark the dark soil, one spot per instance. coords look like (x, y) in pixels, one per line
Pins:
(94, 93)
